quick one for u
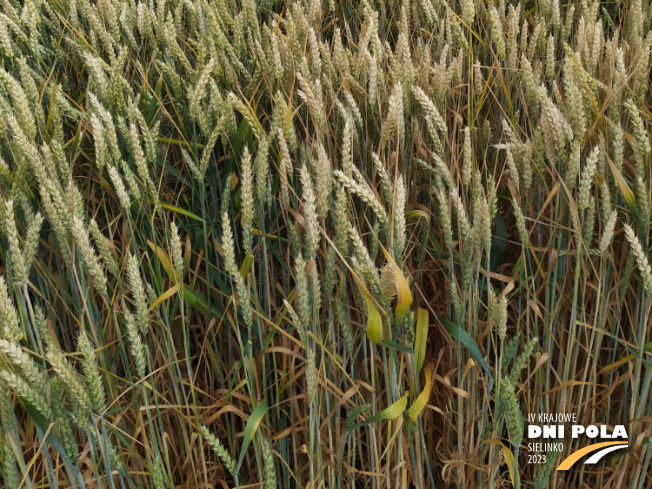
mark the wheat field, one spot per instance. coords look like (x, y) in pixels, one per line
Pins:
(319, 244)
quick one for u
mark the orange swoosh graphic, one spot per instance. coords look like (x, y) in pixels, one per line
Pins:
(575, 456)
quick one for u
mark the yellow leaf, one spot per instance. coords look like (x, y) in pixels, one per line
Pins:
(374, 321)
(617, 364)
(628, 195)
(418, 214)
(165, 261)
(420, 402)
(420, 338)
(509, 458)
(395, 410)
(403, 294)
(164, 296)
(257, 232)
(389, 413)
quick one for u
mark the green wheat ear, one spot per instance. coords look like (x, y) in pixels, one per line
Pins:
(138, 293)
(158, 476)
(27, 393)
(521, 361)
(641, 258)
(138, 348)
(25, 365)
(218, 448)
(11, 329)
(73, 388)
(268, 463)
(513, 414)
(94, 382)
(543, 476)
(9, 467)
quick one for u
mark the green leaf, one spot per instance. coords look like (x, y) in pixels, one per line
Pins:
(387, 414)
(154, 102)
(250, 430)
(192, 298)
(198, 302)
(499, 242)
(465, 338)
(432, 238)
(183, 212)
(177, 142)
(246, 264)
(395, 346)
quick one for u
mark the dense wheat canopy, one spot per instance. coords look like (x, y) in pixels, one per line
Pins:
(319, 244)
